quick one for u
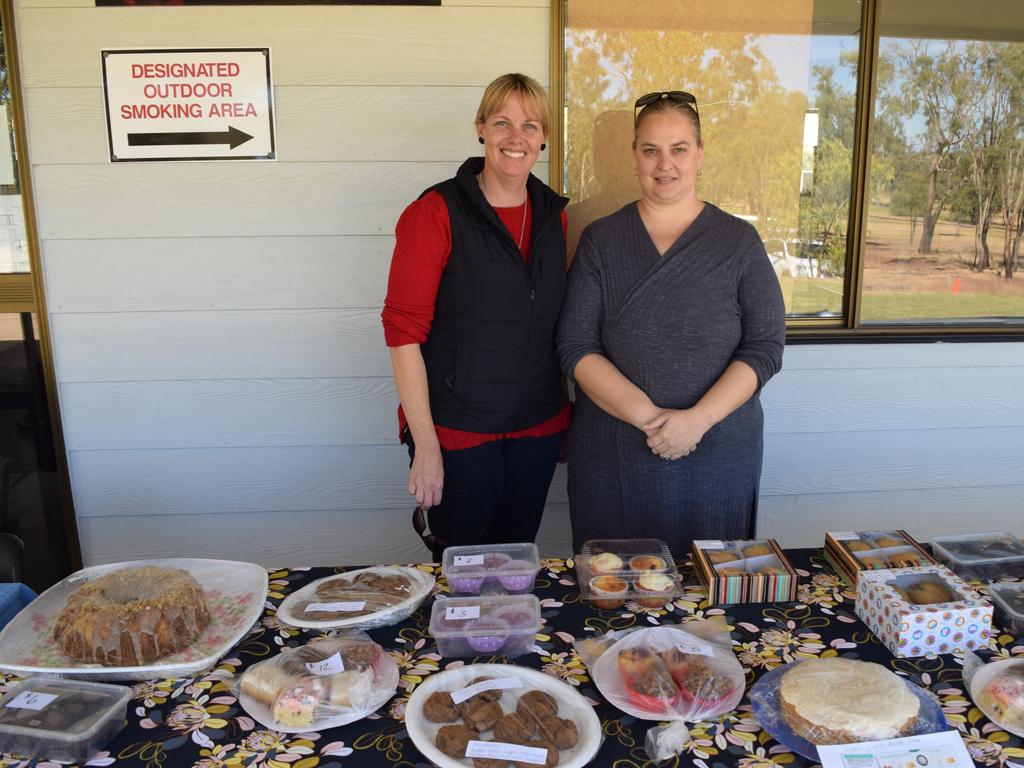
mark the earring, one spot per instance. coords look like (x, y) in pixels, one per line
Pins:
(700, 172)
(636, 172)
(543, 147)
(480, 139)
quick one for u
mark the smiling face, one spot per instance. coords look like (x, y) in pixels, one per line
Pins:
(512, 138)
(668, 156)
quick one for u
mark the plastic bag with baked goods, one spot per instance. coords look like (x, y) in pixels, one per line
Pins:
(328, 682)
(675, 672)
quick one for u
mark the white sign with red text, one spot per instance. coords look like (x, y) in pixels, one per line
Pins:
(189, 104)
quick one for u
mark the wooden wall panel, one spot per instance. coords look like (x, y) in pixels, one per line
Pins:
(211, 481)
(331, 537)
(131, 346)
(236, 273)
(204, 413)
(230, 199)
(310, 45)
(801, 520)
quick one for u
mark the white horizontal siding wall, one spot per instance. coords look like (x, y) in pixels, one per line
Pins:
(223, 381)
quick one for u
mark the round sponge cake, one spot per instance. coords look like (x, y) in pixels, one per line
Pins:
(843, 701)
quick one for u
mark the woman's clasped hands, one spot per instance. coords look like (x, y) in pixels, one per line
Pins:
(673, 434)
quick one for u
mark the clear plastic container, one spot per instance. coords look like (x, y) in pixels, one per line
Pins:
(491, 568)
(61, 719)
(485, 625)
(612, 571)
(983, 556)
(1008, 599)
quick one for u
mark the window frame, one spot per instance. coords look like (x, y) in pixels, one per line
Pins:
(848, 327)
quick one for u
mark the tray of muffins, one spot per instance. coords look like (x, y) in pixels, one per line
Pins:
(491, 715)
(136, 620)
(748, 571)
(612, 571)
(851, 552)
(365, 598)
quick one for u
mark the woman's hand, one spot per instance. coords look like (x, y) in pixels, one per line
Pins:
(426, 477)
(675, 433)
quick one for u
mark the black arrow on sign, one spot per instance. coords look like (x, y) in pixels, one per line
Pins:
(232, 137)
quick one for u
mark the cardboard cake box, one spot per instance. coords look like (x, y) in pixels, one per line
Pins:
(852, 552)
(907, 610)
(754, 571)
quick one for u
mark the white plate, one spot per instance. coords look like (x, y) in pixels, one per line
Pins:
(982, 677)
(422, 583)
(571, 705)
(235, 596)
(388, 674)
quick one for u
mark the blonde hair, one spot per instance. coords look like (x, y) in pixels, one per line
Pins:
(530, 92)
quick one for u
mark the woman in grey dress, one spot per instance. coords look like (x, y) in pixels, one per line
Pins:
(672, 323)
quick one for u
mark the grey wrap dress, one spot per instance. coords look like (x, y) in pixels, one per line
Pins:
(671, 324)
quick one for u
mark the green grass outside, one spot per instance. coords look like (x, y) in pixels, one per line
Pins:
(808, 295)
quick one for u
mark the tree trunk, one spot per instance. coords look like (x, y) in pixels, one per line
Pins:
(932, 208)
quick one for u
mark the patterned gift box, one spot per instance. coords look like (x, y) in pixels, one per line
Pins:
(909, 629)
(777, 584)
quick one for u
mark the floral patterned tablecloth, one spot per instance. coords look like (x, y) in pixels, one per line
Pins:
(198, 721)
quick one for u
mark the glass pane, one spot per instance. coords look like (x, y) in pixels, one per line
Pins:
(947, 166)
(29, 500)
(13, 248)
(775, 82)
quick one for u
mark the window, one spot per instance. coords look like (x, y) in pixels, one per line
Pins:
(780, 89)
(946, 198)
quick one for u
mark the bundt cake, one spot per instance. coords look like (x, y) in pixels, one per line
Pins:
(132, 616)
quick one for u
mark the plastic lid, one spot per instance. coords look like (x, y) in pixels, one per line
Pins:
(974, 548)
(1010, 597)
(491, 560)
(70, 711)
(485, 615)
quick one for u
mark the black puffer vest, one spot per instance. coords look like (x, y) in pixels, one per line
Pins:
(490, 355)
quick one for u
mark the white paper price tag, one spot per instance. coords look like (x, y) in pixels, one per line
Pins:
(349, 607)
(31, 700)
(462, 612)
(464, 560)
(329, 666)
(499, 750)
(695, 648)
(845, 536)
(709, 544)
(944, 749)
(494, 684)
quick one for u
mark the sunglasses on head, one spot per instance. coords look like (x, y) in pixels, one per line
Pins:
(681, 97)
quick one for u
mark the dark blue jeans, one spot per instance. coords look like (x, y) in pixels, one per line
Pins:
(493, 493)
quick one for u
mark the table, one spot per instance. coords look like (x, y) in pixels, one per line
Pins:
(198, 721)
(13, 597)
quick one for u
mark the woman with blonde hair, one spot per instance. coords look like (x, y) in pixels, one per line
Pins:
(476, 285)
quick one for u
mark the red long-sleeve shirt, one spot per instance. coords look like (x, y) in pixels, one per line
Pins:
(422, 248)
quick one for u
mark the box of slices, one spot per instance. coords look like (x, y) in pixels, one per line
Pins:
(754, 571)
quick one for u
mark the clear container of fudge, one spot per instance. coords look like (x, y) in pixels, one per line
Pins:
(491, 568)
(485, 625)
(1008, 599)
(61, 719)
(982, 556)
(612, 571)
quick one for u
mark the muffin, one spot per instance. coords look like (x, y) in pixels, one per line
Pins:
(717, 556)
(929, 592)
(634, 661)
(755, 550)
(858, 545)
(655, 582)
(730, 572)
(608, 592)
(606, 562)
(777, 570)
(646, 563)
(890, 541)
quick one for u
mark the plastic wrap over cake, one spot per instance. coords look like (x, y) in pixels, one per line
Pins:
(841, 701)
(136, 620)
(326, 683)
(132, 616)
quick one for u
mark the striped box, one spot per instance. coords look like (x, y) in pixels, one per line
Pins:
(754, 571)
